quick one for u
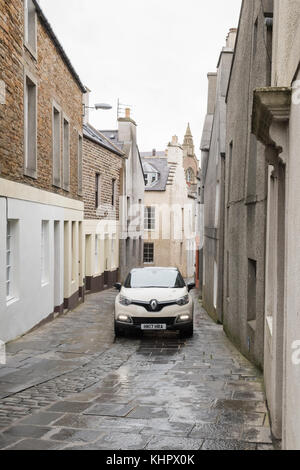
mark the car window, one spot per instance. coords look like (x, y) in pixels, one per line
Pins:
(156, 278)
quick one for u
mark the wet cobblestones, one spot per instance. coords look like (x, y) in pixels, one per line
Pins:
(71, 385)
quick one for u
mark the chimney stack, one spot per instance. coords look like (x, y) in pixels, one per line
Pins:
(231, 37)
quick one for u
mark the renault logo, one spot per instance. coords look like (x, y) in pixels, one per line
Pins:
(154, 304)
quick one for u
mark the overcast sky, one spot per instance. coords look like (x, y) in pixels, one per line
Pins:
(151, 54)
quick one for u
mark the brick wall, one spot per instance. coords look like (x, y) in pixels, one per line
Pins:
(97, 159)
(54, 82)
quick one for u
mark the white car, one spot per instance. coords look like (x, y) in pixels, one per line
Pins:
(154, 299)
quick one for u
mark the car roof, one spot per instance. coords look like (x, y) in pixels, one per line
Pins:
(153, 268)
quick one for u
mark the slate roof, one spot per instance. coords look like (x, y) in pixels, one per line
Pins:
(92, 134)
(113, 137)
(207, 129)
(58, 45)
(150, 154)
(161, 165)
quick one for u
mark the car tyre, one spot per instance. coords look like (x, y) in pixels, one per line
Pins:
(188, 332)
(119, 333)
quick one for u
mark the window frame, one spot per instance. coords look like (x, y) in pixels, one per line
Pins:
(80, 165)
(150, 218)
(66, 158)
(31, 47)
(30, 155)
(146, 258)
(56, 109)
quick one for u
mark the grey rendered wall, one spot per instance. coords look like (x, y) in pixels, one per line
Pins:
(246, 187)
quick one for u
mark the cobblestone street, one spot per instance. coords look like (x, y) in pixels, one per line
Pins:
(70, 385)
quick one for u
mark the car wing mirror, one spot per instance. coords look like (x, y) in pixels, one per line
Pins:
(191, 286)
(118, 286)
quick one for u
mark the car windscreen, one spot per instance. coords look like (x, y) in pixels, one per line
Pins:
(156, 278)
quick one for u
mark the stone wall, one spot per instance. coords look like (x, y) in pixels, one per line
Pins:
(54, 83)
(97, 159)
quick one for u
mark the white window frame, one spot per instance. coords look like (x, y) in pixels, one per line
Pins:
(30, 27)
(147, 245)
(149, 218)
(151, 179)
(80, 164)
(44, 252)
(56, 159)
(11, 259)
(66, 152)
(30, 126)
(96, 254)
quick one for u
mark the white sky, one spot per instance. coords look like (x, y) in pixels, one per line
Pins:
(151, 54)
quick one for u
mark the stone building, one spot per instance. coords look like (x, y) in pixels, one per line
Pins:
(131, 231)
(103, 170)
(41, 208)
(246, 185)
(276, 123)
(213, 150)
(170, 204)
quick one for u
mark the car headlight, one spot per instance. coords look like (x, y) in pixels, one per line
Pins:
(183, 301)
(124, 300)
(183, 318)
(124, 319)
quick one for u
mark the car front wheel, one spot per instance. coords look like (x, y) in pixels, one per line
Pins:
(119, 333)
(187, 332)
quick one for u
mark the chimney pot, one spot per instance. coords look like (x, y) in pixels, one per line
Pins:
(153, 152)
(127, 113)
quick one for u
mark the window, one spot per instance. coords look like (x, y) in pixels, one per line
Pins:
(30, 26)
(97, 190)
(151, 174)
(30, 131)
(217, 205)
(113, 193)
(190, 176)
(149, 218)
(73, 250)
(45, 252)
(148, 253)
(255, 34)
(97, 269)
(151, 178)
(11, 259)
(215, 285)
(56, 147)
(66, 155)
(79, 165)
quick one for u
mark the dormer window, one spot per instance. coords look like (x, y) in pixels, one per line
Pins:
(30, 26)
(151, 175)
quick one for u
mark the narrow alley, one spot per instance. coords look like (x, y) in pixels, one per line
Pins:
(71, 385)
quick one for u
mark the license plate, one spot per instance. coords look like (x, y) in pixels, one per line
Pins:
(153, 327)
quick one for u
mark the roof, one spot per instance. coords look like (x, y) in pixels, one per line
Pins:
(150, 154)
(154, 267)
(92, 134)
(206, 134)
(161, 165)
(113, 137)
(58, 45)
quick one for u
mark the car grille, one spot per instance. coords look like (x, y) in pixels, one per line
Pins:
(158, 308)
(155, 321)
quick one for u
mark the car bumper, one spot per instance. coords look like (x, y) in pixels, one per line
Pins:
(137, 326)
